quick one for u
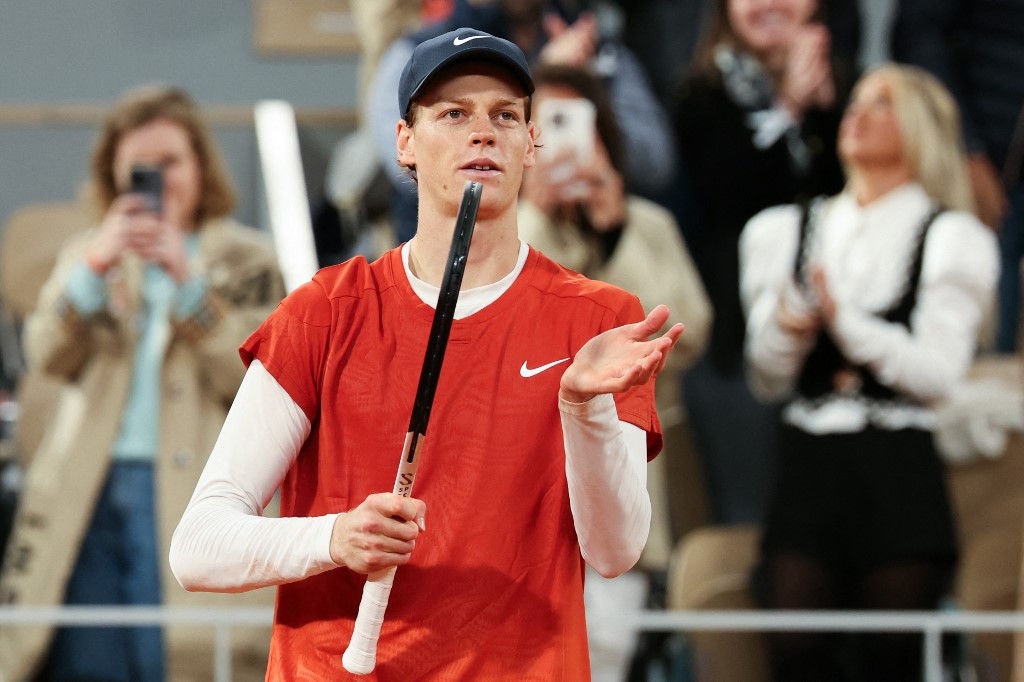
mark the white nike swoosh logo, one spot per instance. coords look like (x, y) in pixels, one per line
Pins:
(527, 372)
(462, 41)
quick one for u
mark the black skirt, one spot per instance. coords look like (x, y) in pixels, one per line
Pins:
(859, 500)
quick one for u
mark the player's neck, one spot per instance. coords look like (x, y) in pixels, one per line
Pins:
(492, 255)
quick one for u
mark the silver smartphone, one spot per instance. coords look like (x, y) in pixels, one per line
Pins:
(567, 124)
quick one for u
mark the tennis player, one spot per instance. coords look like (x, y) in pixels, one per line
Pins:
(540, 431)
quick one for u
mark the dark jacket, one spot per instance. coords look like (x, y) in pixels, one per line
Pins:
(732, 180)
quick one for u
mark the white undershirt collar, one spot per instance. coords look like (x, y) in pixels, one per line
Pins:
(470, 300)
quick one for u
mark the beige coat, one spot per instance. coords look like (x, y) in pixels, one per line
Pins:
(94, 356)
(650, 261)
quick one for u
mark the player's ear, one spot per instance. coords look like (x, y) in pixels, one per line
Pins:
(404, 143)
(531, 145)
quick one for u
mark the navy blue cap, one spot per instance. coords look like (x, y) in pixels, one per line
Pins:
(430, 56)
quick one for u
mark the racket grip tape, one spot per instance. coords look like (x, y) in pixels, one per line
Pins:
(361, 655)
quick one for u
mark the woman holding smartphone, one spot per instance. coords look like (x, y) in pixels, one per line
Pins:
(141, 319)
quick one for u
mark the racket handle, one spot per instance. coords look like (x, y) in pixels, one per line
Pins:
(361, 655)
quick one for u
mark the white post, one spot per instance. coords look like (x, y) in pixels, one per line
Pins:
(287, 201)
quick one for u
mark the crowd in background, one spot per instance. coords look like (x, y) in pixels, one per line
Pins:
(831, 234)
(751, 106)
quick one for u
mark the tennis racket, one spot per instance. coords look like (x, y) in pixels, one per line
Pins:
(361, 655)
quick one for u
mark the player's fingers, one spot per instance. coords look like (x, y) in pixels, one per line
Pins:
(654, 321)
(420, 513)
(399, 507)
(664, 353)
(413, 510)
(367, 542)
(637, 372)
(674, 332)
(383, 556)
(394, 530)
(660, 349)
(645, 368)
(630, 376)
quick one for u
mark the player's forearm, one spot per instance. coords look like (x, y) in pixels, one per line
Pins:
(222, 543)
(606, 469)
(220, 546)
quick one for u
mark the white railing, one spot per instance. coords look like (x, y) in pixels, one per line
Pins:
(932, 623)
(222, 620)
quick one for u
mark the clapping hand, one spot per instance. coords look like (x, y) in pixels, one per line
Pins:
(796, 315)
(572, 44)
(807, 80)
(620, 358)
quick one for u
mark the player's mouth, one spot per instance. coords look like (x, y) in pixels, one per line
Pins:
(481, 168)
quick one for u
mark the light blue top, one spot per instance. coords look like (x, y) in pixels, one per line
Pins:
(139, 434)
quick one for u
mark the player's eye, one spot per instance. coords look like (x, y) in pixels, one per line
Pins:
(453, 114)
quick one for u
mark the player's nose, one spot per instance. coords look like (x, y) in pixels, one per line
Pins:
(483, 134)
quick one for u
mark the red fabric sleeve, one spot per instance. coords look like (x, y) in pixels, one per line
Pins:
(292, 344)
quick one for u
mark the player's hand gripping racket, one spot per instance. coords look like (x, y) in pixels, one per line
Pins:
(361, 655)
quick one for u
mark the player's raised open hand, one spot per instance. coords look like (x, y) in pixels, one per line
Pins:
(620, 358)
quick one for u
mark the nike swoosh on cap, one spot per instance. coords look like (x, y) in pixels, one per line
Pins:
(527, 372)
(462, 41)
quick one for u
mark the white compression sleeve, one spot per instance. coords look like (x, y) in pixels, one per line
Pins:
(222, 542)
(606, 469)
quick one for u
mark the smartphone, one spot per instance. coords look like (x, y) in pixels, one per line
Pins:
(567, 124)
(149, 182)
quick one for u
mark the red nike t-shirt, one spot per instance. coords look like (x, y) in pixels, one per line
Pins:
(494, 589)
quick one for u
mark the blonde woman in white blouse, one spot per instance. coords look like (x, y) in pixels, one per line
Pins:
(863, 309)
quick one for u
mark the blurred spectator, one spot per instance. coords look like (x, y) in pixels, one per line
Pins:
(349, 214)
(379, 22)
(976, 48)
(663, 33)
(341, 211)
(756, 123)
(576, 211)
(548, 31)
(864, 310)
(142, 318)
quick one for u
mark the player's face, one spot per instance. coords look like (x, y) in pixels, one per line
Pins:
(768, 25)
(469, 125)
(870, 133)
(166, 144)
